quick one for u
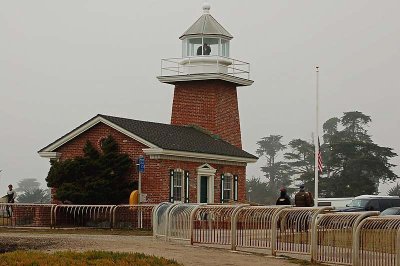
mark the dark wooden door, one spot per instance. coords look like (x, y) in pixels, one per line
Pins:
(203, 189)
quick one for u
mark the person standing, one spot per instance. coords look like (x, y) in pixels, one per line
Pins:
(11, 195)
(303, 198)
(284, 198)
(204, 50)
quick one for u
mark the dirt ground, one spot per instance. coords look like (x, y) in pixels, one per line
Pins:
(181, 252)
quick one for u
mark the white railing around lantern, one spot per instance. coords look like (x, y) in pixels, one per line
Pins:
(205, 65)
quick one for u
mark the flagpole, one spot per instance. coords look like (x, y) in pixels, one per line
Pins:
(316, 173)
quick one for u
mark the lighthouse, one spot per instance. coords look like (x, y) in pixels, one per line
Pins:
(206, 80)
(198, 156)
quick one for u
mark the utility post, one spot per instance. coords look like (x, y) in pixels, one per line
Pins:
(140, 165)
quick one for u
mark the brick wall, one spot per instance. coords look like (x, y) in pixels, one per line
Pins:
(211, 104)
(158, 175)
(155, 179)
(127, 145)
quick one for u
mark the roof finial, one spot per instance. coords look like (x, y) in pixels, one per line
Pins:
(206, 8)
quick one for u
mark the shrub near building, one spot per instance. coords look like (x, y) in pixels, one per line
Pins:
(97, 177)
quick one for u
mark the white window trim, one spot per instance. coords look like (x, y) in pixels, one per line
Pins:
(228, 175)
(183, 186)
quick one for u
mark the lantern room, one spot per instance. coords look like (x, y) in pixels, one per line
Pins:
(206, 37)
(205, 55)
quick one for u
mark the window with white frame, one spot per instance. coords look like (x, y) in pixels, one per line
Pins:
(179, 185)
(227, 187)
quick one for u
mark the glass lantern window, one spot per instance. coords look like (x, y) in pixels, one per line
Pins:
(211, 46)
(224, 48)
(192, 46)
(205, 46)
(184, 45)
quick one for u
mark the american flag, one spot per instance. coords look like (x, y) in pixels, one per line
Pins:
(319, 158)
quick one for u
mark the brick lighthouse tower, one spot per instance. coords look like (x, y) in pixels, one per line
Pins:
(206, 80)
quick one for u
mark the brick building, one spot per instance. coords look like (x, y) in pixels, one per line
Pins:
(199, 156)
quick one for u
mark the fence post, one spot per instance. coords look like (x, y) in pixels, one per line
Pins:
(398, 248)
(191, 228)
(273, 233)
(356, 240)
(274, 228)
(155, 220)
(314, 239)
(55, 216)
(314, 231)
(168, 227)
(52, 216)
(234, 224)
(112, 216)
(167, 219)
(233, 230)
(356, 243)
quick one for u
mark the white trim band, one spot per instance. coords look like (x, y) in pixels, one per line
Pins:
(159, 151)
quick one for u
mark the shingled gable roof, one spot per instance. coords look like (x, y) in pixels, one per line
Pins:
(164, 136)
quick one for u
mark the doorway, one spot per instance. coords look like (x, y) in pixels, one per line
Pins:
(204, 189)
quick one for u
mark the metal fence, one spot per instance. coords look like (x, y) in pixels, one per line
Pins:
(291, 229)
(377, 241)
(179, 226)
(160, 219)
(252, 226)
(95, 216)
(333, 236)
(361, 238)
(91, 216)
(133, 217)
(212, 224)
(26, 215)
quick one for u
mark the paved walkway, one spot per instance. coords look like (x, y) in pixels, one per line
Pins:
(181, 252)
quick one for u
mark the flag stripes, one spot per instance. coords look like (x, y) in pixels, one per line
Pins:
(319, 158)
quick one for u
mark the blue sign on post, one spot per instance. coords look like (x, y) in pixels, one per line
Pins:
(141, 164)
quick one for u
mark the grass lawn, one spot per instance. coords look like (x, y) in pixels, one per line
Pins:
(84, 258)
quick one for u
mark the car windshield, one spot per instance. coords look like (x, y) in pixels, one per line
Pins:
(391, 211)
(358, 203)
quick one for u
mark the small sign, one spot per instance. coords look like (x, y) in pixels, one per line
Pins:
(143, 197)
(141, 164)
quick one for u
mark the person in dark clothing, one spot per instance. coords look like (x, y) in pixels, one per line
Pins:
(284, 198)
(204, 50)
(11, 195)
(303, 198)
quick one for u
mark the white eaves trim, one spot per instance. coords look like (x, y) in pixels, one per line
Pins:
(159, 151)
(87, 126)
(50, 155)
(205, 76)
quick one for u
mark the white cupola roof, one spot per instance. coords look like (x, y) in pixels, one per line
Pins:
(206, 25)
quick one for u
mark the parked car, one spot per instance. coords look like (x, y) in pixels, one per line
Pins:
(371, 203)
(334, 202)
(391, 211)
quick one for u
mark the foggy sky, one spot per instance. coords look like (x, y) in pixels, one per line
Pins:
(63, 62)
